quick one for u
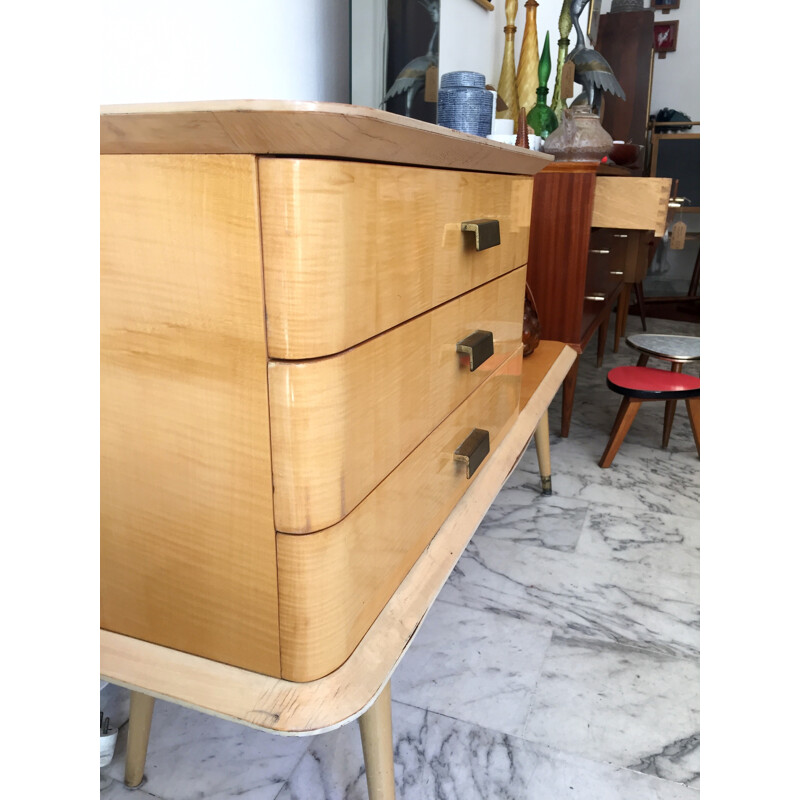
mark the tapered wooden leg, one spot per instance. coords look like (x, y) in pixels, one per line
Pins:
(602, 333)
(622, 314)
(376, 742)
(568, 397)
(642, 362)
(542, 438)
(669, 412)
(693, 409)
(138, 737)
(640, 300)
(622, 424)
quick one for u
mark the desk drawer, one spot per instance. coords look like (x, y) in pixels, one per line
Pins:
(341, 424)
(352, 249)
(332, 584)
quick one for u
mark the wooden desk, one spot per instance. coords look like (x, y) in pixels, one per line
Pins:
(286, 290)
(588, 246)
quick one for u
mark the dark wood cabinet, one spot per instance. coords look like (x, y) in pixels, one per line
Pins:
(626, 42)
(571, 269)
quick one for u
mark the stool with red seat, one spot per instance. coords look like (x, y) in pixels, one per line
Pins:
(639, 385)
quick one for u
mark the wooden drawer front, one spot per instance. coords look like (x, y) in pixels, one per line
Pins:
(341, 424)
(353, 249)
(187, 554)
(332, 584)
(632, 203)
(605, 262)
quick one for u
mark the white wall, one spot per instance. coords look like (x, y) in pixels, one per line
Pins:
(234, 50)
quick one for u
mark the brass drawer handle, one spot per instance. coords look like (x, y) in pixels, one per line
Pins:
(616, 272)
(620, 235)
(595, 297)
(477, 348)
(487, 232)
(473, 450)
(600, 252)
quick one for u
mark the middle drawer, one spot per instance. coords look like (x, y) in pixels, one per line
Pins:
(339, 425)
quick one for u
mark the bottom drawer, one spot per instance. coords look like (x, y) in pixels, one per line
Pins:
(332, 584)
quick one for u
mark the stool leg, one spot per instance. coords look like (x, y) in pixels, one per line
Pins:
(622, 424)
(622, 314)
(693, 409)
(640, 301)
(138, 737)
(568, 397)
(602, 333)
(542, 438)
(669, 412)
(642, 362)
(376, 741)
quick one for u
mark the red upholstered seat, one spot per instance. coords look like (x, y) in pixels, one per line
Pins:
(640, 384)
(648, 383)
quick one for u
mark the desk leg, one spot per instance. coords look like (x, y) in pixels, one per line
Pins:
(376, 741)
(138, 737)
(541, 437)
(622, 314)
(602, 333)
(568, 397)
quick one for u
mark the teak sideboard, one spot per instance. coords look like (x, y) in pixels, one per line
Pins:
(589, 245)
(312, 387)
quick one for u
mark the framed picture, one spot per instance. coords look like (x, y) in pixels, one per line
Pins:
(665, 37)
(665, 6)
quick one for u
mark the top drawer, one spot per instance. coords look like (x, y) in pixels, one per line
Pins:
(352, 249)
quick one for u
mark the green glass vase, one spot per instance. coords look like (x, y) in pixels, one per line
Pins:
(542, 118)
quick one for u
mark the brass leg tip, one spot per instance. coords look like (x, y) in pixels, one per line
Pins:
(547, 485)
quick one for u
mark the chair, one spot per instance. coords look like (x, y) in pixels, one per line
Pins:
(638, 385)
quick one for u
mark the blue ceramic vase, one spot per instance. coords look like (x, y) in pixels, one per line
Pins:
(465, 104)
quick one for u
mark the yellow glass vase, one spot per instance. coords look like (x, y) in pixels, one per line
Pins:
(507, 86)
(528, 69)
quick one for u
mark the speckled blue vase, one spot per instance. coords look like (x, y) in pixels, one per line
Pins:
(465, 104)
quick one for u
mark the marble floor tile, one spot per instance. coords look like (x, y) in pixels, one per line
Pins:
(473, 665)
(440, 758)
(614, 704)
(580, 596)
(552, 521)
(662, 541)
(192, 755)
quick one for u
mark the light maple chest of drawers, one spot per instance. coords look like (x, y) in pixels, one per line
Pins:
(305, 358)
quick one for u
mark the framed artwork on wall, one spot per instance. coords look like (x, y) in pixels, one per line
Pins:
(665, 6)
(665, 37)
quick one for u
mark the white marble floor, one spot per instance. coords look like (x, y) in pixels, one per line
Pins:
(560, 661)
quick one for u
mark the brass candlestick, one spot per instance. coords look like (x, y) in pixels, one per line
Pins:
(507, 86)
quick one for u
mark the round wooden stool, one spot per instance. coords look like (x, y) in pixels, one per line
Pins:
(677, 350)
(638, 385)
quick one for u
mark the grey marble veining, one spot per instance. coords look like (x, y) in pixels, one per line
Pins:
(580, 596)
(646, 704)
(659, 541)
(440, 758)
(473, 665)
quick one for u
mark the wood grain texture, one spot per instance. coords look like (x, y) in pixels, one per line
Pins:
(639, 203)
(352, 249)
(290, 708)
(341, 424)
(560, 227)
(187, 543)
(334, 583)
(280, 127)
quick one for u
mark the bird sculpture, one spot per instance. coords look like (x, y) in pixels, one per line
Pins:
(412, 77)
(592, 71)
